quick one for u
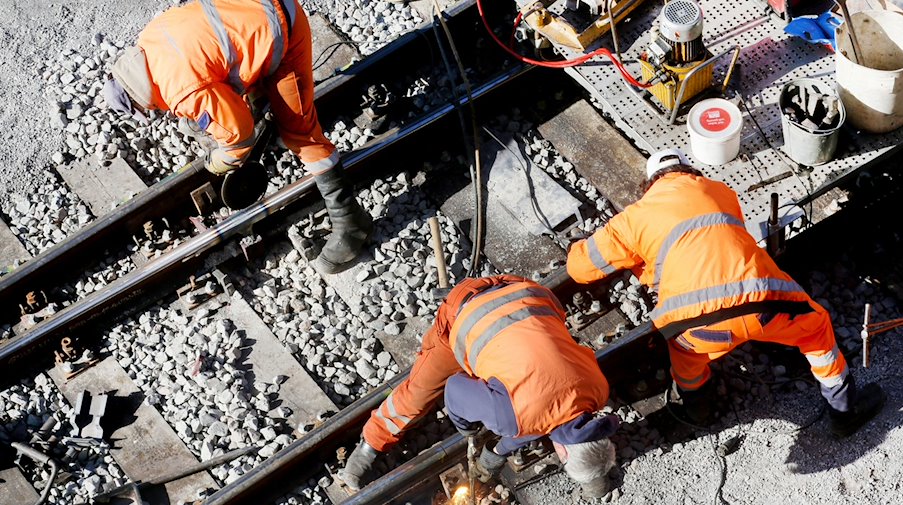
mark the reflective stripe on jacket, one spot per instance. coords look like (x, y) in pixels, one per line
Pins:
(203, 56)
(516, 333)
(686, 238)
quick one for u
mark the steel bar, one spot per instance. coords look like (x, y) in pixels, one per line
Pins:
(426, 465)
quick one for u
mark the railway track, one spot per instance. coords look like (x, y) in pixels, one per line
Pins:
(171, 197)
(310, 434)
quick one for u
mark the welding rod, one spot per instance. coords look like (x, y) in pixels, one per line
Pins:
(865, 335)
(439, 252)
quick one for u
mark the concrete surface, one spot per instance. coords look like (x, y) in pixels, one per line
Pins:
(15, 488)
(269, 358)
(599, 152)
(326, 57)
(102, 187)
(10, 248)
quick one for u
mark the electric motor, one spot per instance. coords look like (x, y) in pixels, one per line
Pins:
(680, 25)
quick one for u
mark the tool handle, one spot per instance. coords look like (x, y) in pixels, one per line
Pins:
(866, 359)
(438, 252)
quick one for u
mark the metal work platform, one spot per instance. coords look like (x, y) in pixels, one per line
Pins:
(769, 59)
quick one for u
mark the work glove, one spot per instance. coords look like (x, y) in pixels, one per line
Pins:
(489, 465)
(216, 163)
(359, 467)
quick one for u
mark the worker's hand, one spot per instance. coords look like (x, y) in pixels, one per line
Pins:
(358, 470)
(216, 162)
(489, 465)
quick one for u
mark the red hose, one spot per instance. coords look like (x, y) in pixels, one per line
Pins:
(558, 64)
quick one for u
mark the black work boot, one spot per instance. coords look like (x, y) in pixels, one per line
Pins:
(866, 403)
(351, 224)
(695, 405)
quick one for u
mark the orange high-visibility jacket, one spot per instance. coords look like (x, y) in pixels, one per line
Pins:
(686, 238)
(516, 333)
(203, 56)
(513, 329)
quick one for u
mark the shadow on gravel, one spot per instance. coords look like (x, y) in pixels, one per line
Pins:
(120, 412)
(816, 450)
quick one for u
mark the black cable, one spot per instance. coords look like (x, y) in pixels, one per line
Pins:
(332, 48)
(794, 167)
(477, 177)
(534, 204)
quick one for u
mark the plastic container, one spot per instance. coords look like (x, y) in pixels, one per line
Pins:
(810, 147)
(714, 126)
(872, 92)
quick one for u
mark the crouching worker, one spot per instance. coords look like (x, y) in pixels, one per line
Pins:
(208, 62)
(500, 349)
(716, 288)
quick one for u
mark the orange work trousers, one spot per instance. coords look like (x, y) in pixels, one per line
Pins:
(290, 91)
(692, 351)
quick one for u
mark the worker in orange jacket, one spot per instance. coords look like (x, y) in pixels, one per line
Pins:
(716, 288)
(500, 350)
(207, 60)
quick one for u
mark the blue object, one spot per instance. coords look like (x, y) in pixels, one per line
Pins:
(816, 30)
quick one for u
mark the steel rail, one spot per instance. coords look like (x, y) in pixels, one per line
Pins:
(51, 264)
(134, 284)
(78, 251)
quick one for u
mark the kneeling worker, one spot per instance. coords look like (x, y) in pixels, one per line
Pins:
(716, 288)
(501, 350)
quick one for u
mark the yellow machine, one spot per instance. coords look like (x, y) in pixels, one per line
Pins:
(676, 55)
(562, 22)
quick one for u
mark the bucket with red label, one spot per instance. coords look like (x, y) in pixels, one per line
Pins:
(714, 126)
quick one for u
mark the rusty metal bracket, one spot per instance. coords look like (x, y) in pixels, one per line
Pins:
(72, 361)
(454, 479)
(203, 198)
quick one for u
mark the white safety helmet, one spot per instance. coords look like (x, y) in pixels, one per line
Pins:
(664, 159)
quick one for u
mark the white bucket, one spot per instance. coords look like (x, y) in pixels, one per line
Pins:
(714, 126)
(872, 93)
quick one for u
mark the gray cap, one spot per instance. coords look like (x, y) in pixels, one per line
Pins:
(117, 99)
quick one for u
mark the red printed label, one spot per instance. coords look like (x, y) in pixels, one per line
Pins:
(715, 119)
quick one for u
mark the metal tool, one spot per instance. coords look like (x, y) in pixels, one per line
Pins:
(135, 486)
(865, 335)
(472, 468)
(246, 184)
(439, 254)
(39, 457)
(857, 51)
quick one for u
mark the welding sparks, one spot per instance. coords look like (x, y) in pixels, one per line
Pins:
(461, 495)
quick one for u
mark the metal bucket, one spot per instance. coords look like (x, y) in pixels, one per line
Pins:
(803, 145)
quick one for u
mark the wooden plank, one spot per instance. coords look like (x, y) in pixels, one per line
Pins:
(599, 152)
(15, 488)
(102, 186)
(147, 447)
(269, 358)
(10, 249)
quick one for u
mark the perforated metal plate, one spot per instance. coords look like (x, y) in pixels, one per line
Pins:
(769, 59)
